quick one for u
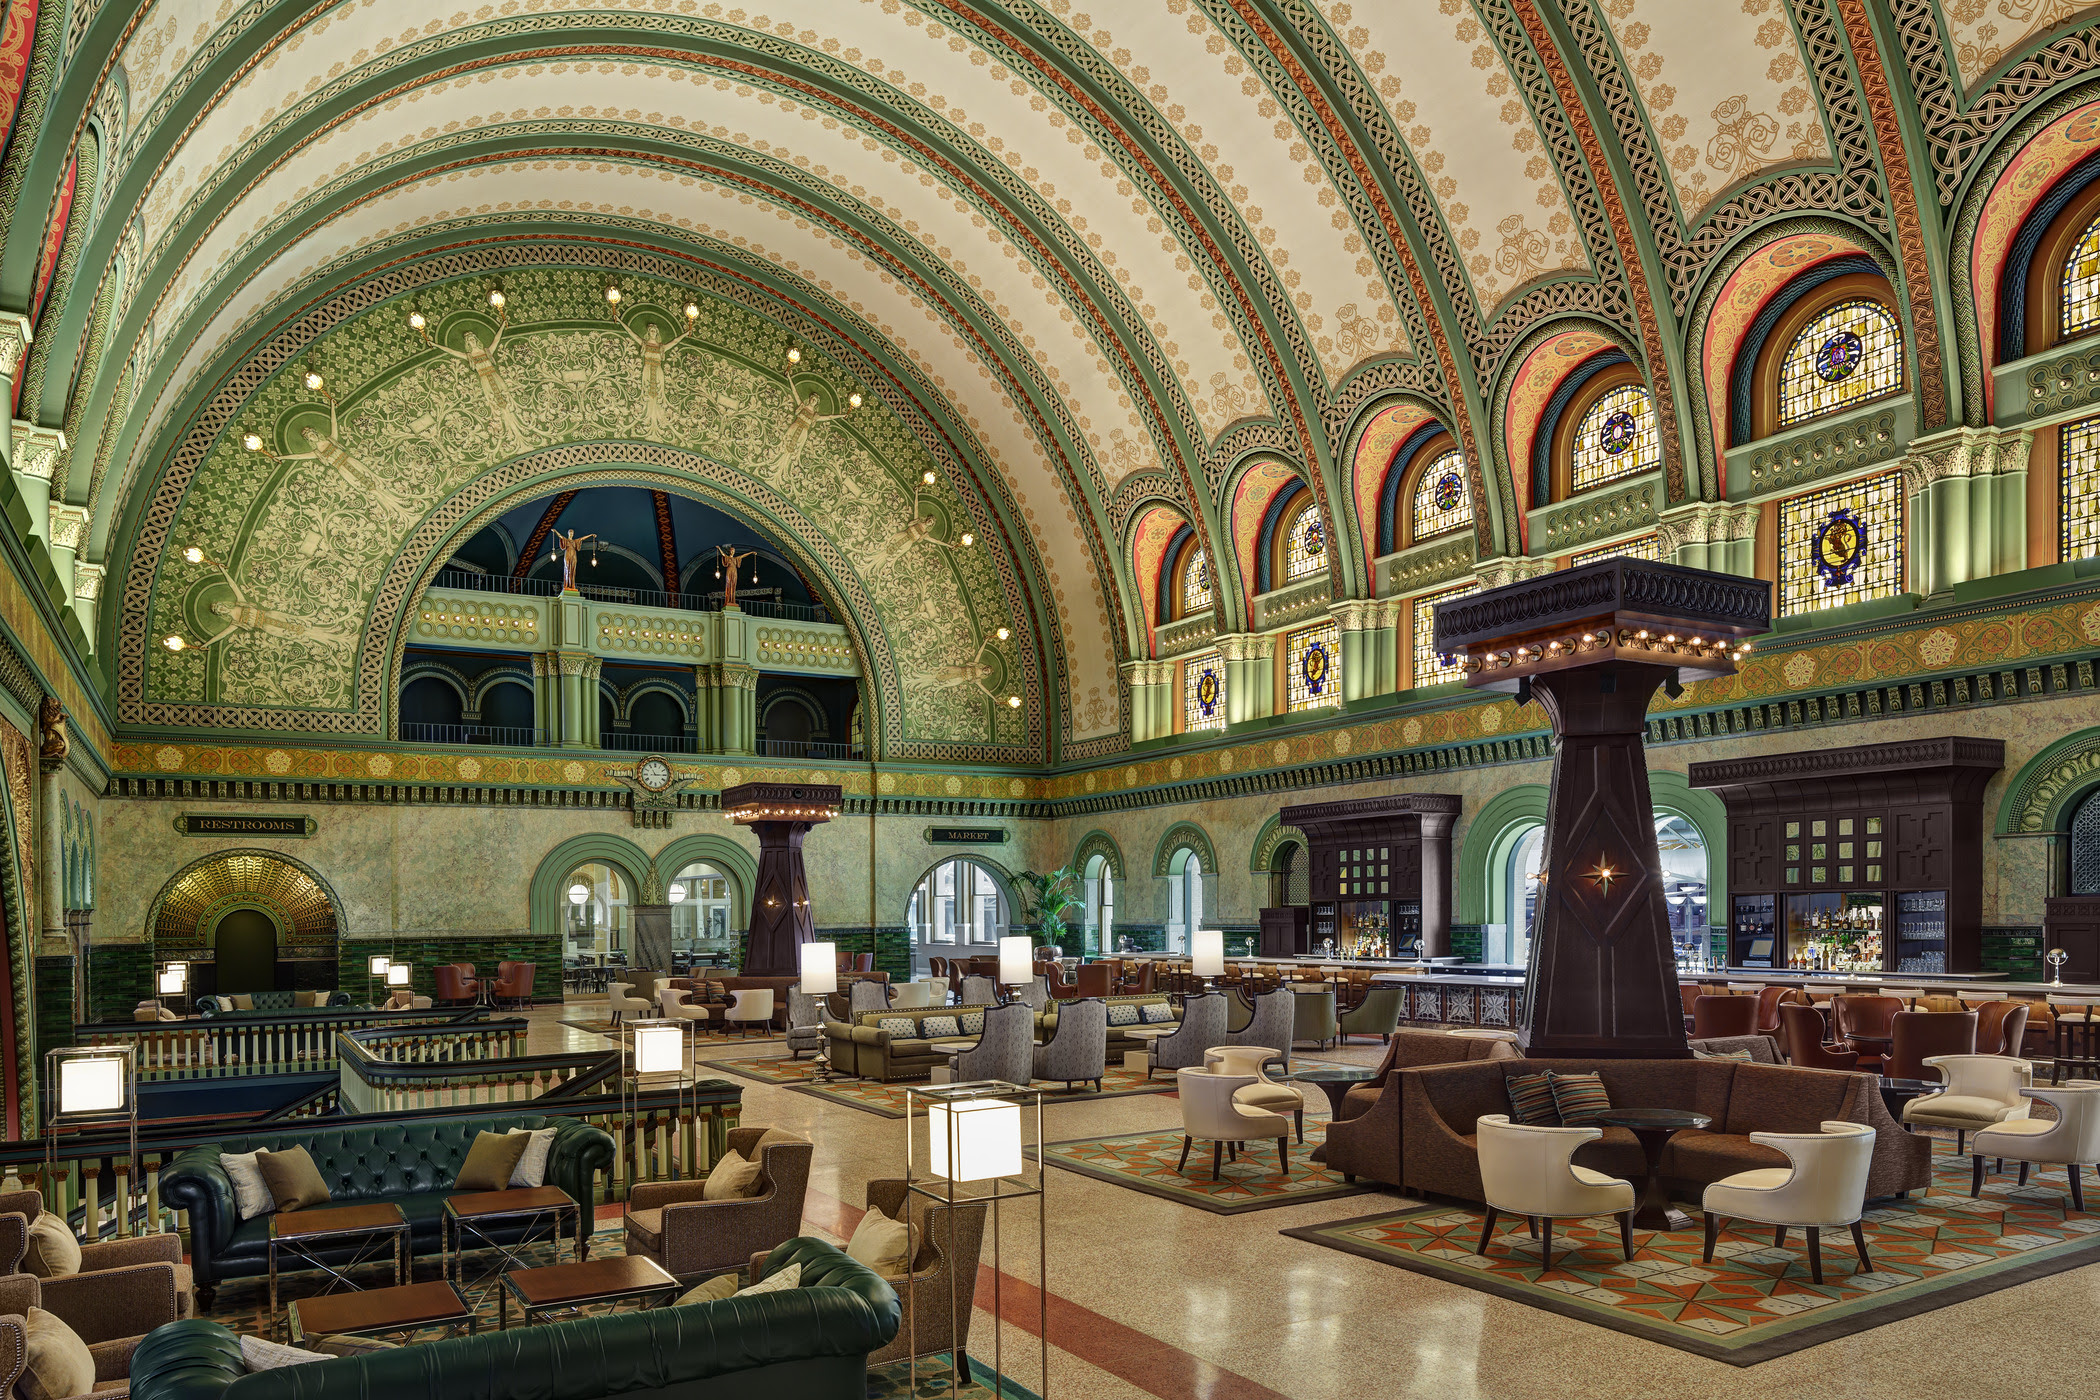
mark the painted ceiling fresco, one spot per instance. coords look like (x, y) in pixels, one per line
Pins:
(1084, 261)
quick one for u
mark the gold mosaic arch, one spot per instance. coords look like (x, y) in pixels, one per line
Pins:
(305, 909)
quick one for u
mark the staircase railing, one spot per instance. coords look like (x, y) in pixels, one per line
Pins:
(217, 1047)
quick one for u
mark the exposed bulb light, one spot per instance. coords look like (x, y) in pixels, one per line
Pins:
(1013, 702)
(174, 643)
(416, 321)
(194, 555)
(853, 399)
(968, 539)
(928, 477)
(794, 354)
(496, 298)
(313, 380)
(252, 441)
(692, 311)
(1004, 632)
(612, 294)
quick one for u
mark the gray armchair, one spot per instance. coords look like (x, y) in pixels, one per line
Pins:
(947, 1242)
(1202, 1027)
(1377, 1014)
(669, 1222)
(1270, 1024)
(1078, 1050)
(806, 1016)
(1312, 1017)
(1034, 993)
(868, 996)
(1005, 1050)
(980, 991)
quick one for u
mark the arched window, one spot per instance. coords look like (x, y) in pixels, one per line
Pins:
(1847, 354)
(1203, 692)
(702, 902)
(1301, 549)
(1520, 898)
(1100, 883)
(2081, 283)
(601, 909)
(1185, 899)
(2085, 847)
(1442, 502)
(1683, 852)
(958, 904)
(1192, 586)
(1615, 438)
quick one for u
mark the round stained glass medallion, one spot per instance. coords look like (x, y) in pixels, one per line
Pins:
(1839, 547)
(1207, 692)
(1839, 356)
(1617, 434)
(1449, 491)
(1314, 536)
(1203, 575)
(1314, 669)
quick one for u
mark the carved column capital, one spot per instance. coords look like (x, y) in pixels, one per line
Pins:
(1246, 646)
(37, 449)
(87, 581)
(1510, 568)
(15, 337)
(1354, 614)
(68, 526)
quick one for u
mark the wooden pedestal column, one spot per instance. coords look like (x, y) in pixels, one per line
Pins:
(781, 815)
(1592, 646)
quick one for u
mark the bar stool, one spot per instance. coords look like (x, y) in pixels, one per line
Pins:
(2077, 1037)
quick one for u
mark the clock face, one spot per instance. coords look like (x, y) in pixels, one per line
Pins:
(653, 774)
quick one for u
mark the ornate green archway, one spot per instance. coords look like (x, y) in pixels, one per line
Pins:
(721, 853)
(544, 908)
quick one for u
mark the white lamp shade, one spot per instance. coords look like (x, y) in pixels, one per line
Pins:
(1207, 953)
(579, 893)
(820, 969)
(172, 980)
(1016, 964)
(182, 966)
(976, 1141)
(659, 1048)
(93, 1084)
(397, 974)
(377, 964)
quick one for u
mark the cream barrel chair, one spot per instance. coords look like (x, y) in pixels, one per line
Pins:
(912, 995)
(623, 1004)
(751, 1005)
(1209, 1114)
(677, 1008)
(2072, 1139)
(1823, 1187)
(1525, 1169)
(1264, 1092)
(1979, 1091)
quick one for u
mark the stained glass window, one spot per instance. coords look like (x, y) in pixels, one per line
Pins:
(1203, 692)
(1313, 656)
(2081, 489)
(1429, 667)
(1646, 547)
(1195, 584)
(1442, 502)
(1616, 438)
(1305, 547)
(1842, 545)
(2082, 282)
(1849, 354)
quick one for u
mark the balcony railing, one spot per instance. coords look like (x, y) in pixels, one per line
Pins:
(758, 605)
(648, 743)
(806, 748)
(238, 1046)
(502, 735)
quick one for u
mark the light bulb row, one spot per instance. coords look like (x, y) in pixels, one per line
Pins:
(1640, 639)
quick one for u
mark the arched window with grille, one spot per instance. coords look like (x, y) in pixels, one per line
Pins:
(1192, 584)
(1615, 438)
(2081, 283)
(1441, 501)
(1301, 541)
(1847, 354)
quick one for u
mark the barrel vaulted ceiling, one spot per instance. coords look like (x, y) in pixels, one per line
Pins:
(1086, 263)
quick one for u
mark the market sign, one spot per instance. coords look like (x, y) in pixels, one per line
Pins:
(965, 835)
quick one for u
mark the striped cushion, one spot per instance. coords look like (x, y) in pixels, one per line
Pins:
(1531, 1100)
(1579, 1098)
(1722, 1055)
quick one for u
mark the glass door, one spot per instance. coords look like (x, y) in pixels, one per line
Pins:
(1921, 931)
(1754, 939)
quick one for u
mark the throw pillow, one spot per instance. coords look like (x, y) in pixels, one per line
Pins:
(54, 1250)
(243, 1001)
(733, 1179)
(341, 1344)
(789, 1277)
(1156, 1011)
(259, 1354)
(532, 1164)
(293, 1179)
(1579, 1098)
(934, 1027)
(973, 1023)
(713, 1291)
(1531, 1100)
(1722, 1055)
(879, 1242)
(251, 1196)
(1123, 1013)
(899, 1027)
(490, 1161)
(59, 1363)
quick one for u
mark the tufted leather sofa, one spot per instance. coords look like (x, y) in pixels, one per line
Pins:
(810, 1342)
(410, 1163)
(279, 1003)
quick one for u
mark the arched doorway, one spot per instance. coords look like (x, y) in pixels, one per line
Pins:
(248, 921)
(244, 944)
(959, 909)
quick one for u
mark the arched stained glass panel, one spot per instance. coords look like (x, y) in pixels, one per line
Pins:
(1305, 548)
(1203, 692)
(1195, 583)
(1615, 439)
(2082, 282)
(1442, 502)
(1849, 354)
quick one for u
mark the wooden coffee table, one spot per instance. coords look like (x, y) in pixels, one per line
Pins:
(614, 1279)
(303, 1234)
(377, 1312)
(477, 1213)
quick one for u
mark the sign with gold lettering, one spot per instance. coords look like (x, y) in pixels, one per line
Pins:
(244, 824)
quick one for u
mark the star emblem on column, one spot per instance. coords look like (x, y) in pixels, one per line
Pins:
(1604, 875)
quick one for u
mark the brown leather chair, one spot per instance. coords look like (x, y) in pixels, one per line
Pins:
(937, 967)
(1053, 975)
(1869, 1016)
(514, 983)
(863, 962)
(1688, 994)
(2001, 1028)
(1921, 1034)
(1147, 973)
(1769, 1000)
(1802, 1028)
(1096, 979)
(456, 983)
(1723, 1015)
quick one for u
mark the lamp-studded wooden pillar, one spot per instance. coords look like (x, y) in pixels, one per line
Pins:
(1591, 646)
(781, 814)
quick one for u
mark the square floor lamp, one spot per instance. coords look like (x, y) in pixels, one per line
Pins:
(89, 1087)
(375, 971)
(172, 981)
(398, 975)
(657, 1058)
(820, 978)
(976, 1154)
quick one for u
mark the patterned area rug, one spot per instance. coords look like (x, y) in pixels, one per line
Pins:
(1753, 1302)
(1148, 1162)
(888, 1099)
(703, 1032)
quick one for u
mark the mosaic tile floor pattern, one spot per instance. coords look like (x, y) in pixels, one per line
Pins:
(1754, 1302)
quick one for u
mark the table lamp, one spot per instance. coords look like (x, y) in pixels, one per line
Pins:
(1207, 954)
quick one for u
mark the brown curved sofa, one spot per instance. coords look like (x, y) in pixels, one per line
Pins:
(1365, 1140)
(1439, 1106)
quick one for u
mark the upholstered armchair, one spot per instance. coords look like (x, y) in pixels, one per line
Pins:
(1266, 1093)
(1094, 980)
(1005, 1049)
(1377, 1012)
(1978, 1091)
(910, 996)
(2001, 1028)
(1919, 1035)
(1202, 1026)
(2072, 1139)
(111, 1310)
(20, 1209)
(750, 1006)
(1803, 1027)
(806, 1016)
(622, 1001)
(867, 996)
(1275, 1017)
(1528, 1169)
(457, 984)
(1769, 1000)
(669, 1222)
(979, 991)
(1312, 1015)
(947, 1243)
(1823, 1188)
(1713, 1017)
(1053, 975)
(1209, 1114)
(1078, 1049)
(514, 983)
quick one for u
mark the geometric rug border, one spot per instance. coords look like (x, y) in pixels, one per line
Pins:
(612, 1032)
(1051, 1098)
(1334, 1193)
(1748, 1354)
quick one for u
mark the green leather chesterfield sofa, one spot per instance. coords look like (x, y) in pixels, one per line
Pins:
(811, 1343)
(267, 1004)
(411, 1163)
